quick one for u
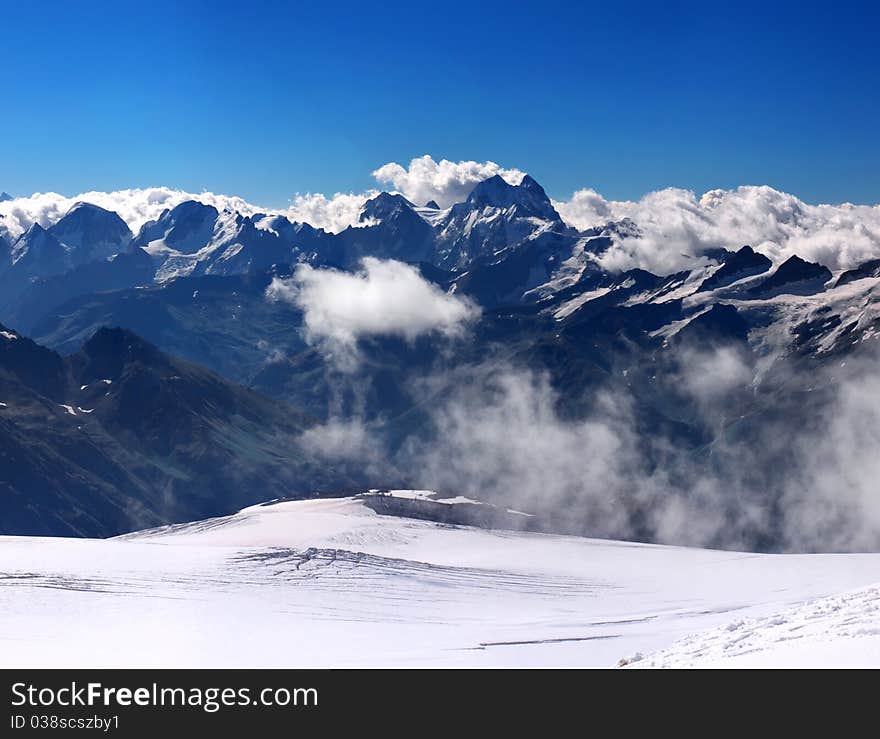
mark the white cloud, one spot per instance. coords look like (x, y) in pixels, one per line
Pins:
(334, 214)
(444, 181)
(711, 376)
(343, 441)
(678, 226)
(832, 499)
(384, 298)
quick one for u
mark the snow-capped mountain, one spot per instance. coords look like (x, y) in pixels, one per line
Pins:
(495, 216)
(184, 229)
(38, 253)
(85, 234)
(505, 245)
(91, 233)
(389, 227)
(735, 267)
(194, 284)
(194, 239)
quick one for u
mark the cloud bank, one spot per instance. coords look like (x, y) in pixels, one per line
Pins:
(800, 480)
(383, 298)
(333, 214)
(678, 226)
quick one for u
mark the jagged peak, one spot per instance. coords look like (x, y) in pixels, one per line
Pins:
(38, 236)
(528, 197)
(871, 268)
(495, 191)
(796, 268)
(793, 270)
(384, 205)
(530, 183)
(34, 229)
(625, 228)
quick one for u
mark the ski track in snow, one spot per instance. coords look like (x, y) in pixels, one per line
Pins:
(331, 583)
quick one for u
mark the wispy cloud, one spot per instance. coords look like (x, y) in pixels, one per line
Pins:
(799, 478)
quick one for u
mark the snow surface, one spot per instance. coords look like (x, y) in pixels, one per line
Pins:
(331, 583)
(840, 630)
(570, 306)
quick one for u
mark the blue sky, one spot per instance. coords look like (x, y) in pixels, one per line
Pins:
(266, 99)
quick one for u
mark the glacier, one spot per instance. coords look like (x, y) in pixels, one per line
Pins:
(331, 583)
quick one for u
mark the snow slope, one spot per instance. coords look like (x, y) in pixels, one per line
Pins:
(839, 630)
(331, 583)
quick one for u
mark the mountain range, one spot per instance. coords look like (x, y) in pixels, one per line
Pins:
(160, 384)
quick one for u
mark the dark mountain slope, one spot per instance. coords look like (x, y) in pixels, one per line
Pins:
(120, 435)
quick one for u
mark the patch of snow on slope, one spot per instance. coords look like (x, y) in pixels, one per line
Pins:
(672, 328)
(570, 306)
(684, 288)
(856, 303)
(571, 269)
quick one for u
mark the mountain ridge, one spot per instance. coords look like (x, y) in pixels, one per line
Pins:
(119, 434)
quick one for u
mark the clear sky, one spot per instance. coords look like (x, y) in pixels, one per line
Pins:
(266, 99)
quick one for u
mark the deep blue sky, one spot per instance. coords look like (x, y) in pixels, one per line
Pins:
(264, 99)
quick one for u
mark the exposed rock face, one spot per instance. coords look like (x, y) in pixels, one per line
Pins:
(794, 277)
(744, 263)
